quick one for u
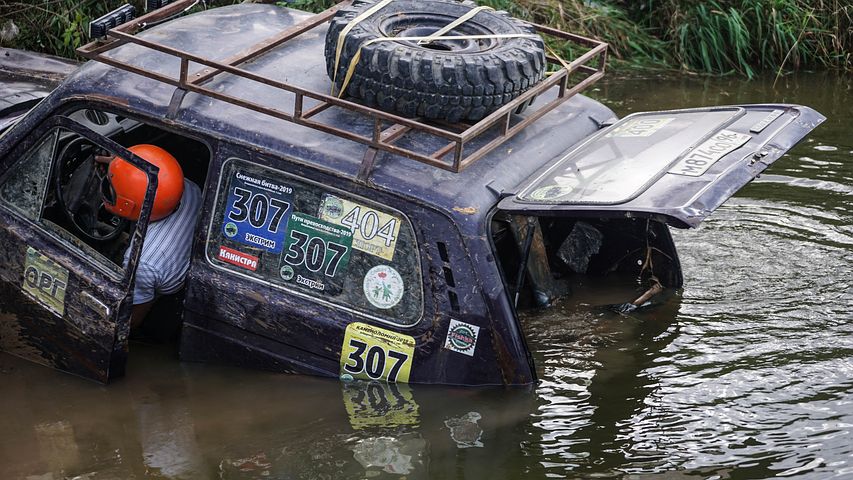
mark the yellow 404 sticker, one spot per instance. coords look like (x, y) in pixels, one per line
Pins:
(373, 231)
(373, 353)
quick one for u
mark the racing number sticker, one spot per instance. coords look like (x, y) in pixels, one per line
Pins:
(374, 232)
(315, 253)
(258, 211)
(45, 281)
(373, 353)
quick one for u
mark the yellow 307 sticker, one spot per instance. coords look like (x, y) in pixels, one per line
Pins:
(373, 353)
(373, 231)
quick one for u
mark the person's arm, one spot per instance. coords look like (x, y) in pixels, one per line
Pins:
(137, 315)
(143, 293)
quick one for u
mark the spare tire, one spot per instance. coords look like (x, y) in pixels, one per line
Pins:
(453, 80)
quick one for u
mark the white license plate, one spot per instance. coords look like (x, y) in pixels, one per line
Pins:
(700, 159)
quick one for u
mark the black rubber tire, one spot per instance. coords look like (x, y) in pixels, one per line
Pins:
(448, 80)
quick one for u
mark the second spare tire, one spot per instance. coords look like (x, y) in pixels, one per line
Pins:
(452, 80)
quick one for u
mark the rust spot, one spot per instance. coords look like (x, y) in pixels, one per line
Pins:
(465, 210)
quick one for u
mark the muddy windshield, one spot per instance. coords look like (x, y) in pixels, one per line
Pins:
(565, 253)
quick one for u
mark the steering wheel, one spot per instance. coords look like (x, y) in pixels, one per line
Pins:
(77, 185)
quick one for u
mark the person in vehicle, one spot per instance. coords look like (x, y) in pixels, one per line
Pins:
(165, 257)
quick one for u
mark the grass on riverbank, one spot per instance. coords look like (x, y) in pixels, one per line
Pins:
(710, 36)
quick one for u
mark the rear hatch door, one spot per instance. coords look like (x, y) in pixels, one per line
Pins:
(676, 166)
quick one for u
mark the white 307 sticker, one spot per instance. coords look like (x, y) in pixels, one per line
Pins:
(700, 159)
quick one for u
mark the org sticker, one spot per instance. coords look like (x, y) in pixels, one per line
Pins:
(462, 337)
(383, 287)
(45, 281)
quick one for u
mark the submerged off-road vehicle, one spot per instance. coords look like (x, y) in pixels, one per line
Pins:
(340, 236)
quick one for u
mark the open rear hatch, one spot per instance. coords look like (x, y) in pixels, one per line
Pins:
(676, 166)
(602, 208)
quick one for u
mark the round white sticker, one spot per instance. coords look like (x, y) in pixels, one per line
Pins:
(383, 286)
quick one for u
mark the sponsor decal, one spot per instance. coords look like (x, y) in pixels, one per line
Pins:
(317, 252)
(462, 337)
(373, 353)
(383, 286)
(234, 257)
(640, 127)
(316, 285)
(374, 232)
(45, 281)
(700, 159)
(258, 211)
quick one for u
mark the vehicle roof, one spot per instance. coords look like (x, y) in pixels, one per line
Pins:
(226, 31)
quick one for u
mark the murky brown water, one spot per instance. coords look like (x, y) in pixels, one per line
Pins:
(747, 373)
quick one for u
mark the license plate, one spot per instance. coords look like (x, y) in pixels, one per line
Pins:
(700, 159)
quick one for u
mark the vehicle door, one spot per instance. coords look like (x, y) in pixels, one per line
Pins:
(673, 166)
(65, 269)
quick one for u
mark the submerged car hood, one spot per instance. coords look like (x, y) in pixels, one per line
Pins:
(677, 166)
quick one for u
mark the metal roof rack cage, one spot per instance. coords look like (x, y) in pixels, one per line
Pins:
(570, 78)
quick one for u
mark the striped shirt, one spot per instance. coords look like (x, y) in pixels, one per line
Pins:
(165, 257)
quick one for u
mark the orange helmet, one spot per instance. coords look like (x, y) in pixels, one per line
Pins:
(125, 192)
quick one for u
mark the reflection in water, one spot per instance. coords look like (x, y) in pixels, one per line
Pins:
(747, 373)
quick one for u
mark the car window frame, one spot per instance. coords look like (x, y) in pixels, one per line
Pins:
(253, 160)
(48, 126)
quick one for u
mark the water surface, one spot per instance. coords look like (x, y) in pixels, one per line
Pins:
(746, 373)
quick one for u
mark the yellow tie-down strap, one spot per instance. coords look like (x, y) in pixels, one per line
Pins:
(438, 35)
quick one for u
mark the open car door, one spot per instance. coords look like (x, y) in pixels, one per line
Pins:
(66, 273)
(673, 166)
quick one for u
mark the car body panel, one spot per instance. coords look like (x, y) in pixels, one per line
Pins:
(60, 308)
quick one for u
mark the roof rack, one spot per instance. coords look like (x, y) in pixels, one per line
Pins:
(571, 78)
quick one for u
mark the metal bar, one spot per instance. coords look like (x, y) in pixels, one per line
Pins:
(292, 88)
(285, 116)
(270, 43)
(297, 106)
(380, 139)
(185, 66)
(457, 158)
(316, 109)
(443, 150)
(377, 129)
(394, 132)
(591, 42)
(98, 47)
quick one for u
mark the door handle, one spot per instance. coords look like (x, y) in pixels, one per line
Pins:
(96, 305)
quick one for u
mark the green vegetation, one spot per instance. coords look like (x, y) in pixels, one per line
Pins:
(711, 36)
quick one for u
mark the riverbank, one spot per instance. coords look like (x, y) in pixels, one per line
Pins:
(741, 37)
